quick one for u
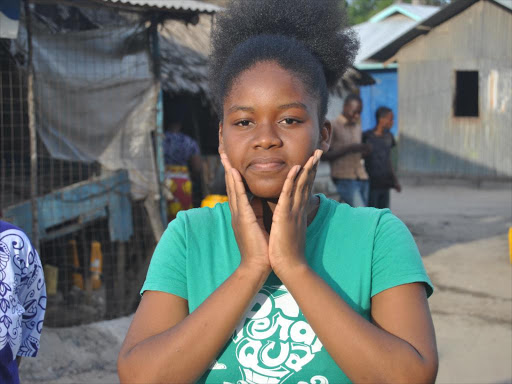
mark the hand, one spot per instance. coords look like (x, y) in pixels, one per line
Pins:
(289, 223)
(365, 149)
(250, 235)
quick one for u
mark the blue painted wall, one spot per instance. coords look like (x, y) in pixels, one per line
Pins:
(383, 93)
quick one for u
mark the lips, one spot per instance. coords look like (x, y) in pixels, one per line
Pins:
(266, 164)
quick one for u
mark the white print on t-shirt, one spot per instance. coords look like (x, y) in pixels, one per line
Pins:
(272, 341)
(216, 365)
(314, 380)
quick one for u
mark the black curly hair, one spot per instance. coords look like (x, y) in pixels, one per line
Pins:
(307, 37)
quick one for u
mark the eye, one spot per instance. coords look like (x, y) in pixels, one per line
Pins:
(290, 121)
(243, 123)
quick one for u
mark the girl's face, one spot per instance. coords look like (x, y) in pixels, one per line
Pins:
(270, 123)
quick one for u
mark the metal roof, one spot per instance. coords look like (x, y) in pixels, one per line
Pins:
(172, 5)
(414, 12)
(447, 12)
(386, 26)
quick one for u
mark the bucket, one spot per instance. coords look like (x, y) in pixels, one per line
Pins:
(212, 200)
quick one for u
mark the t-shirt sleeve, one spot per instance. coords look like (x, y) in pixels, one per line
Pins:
(167, 270)
(32, 296)
(396, 259)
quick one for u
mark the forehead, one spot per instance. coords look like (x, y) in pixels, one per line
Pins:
(353, 104)
(267, 81)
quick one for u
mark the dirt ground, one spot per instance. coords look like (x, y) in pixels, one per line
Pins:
(461, 231)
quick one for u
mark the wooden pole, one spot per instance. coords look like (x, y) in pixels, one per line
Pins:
(32, 132)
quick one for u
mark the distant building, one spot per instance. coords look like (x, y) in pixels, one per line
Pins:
(375, 34)
(455, 91)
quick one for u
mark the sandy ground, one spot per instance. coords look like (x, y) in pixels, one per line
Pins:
(460, 231)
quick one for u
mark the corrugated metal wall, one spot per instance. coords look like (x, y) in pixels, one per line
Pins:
(432, 140)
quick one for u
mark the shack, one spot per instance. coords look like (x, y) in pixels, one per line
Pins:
(455, 88)
(80, 153)
(375, 34)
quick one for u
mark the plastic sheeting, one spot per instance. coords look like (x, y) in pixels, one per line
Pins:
(95, 100)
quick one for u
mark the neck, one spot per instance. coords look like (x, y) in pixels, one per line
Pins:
(268, 207)
(379, 130)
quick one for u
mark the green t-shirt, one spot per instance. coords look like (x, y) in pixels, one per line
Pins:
(359, 252)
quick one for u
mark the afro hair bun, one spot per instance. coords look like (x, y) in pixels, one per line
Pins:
(320, 25)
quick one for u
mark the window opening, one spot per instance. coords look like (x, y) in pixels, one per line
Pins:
(466, 94)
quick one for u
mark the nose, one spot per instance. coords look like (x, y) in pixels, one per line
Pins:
(266, 136)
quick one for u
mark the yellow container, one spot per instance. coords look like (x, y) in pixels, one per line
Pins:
(96, 264)
(212, 200)
(510, 243)
(78, 279)
(51, 275)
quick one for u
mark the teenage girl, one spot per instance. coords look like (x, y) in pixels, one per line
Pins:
(279, 285)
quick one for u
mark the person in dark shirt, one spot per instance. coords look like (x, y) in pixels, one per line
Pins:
(378, 162)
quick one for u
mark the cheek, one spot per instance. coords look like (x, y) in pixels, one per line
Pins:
(233, 152)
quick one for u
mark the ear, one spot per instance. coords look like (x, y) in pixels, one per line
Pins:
(221, 140)
(325, 136)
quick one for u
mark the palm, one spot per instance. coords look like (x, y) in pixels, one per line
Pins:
(247, 221)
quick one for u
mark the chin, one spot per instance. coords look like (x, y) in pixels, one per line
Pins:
(266, 190)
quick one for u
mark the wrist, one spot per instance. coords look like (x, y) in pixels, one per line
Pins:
(292, 272)
(252, 273)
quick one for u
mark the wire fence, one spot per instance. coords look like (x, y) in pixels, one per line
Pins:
(95, 235)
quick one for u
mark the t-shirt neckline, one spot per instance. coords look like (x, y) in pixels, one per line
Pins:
(318, 222)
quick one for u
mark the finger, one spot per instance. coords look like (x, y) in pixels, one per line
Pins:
(303, 176)
(242, 200)
(225, 161)
(306, 179)
(286, 197)
(228, 177)
(312, 173)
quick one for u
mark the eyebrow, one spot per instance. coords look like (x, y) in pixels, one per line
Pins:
(236, 108)
(294, 105)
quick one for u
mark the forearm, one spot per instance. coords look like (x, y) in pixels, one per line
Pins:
(334, 154)
(184, 352)
(363, 351)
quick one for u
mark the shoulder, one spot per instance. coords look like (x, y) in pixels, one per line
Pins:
(202, 221)
(391, 138)
(368, 134)
(357, 219)
(15, 247)
(187, 139)
(204, 214)
(13, 238)
(338, 123)
(369, 222)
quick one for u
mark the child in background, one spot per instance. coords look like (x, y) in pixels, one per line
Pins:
(279, 285)
(22, 301)
(378, 161)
